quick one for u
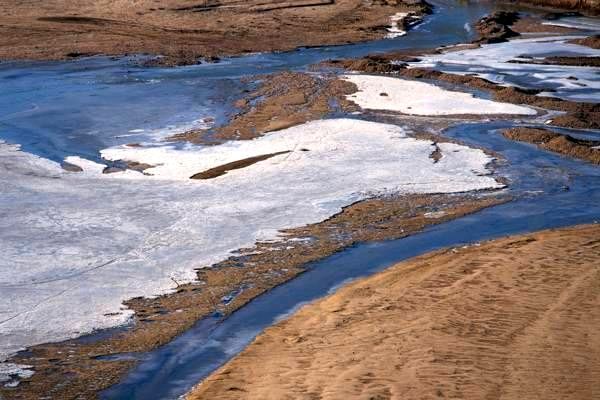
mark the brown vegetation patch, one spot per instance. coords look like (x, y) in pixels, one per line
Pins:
(71, 370)
(71, 167)
(223, 169)
(590, 41)
(495, 28)
(185, 32)
(586, 6)
(576, 61)
(515, 318)
(558, 143)
(283, 100)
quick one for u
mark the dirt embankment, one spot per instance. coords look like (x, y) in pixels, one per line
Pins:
(72, 369)
(587, 150)
(516, 318)
(495, 28)
(184, 30)
(590, 41)
(282, 100)
(586, 6)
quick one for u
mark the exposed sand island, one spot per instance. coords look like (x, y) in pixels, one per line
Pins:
(515, 318)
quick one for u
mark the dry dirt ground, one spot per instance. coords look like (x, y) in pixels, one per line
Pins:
(516, 318)
(185, 29)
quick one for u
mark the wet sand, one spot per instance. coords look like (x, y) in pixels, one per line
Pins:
(184, 30)
(514, 318)
(74, 369)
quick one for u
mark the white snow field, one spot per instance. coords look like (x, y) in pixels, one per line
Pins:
(492, 62)
(377, 92)
(76, 245)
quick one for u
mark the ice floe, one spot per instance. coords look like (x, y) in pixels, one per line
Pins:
(420, 98)
(495, 63)
(75, 245)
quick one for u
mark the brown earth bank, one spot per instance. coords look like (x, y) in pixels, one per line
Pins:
(282, 100)
(185, 30)
(577, 61)
(590, 41)
(587, 150)
(586, 6)
(495, 27)
(515, 318)
(73, 369)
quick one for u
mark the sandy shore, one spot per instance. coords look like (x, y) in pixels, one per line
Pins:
(515, 318)
(185, 30)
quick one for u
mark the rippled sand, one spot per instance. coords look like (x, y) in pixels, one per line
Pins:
(515, 318)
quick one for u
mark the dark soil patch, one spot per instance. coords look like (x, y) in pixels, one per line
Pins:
(223, 169)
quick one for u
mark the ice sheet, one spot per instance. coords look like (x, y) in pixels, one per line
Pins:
(75, 245)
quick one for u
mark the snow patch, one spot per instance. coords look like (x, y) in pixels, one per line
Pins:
(10, 374)
(394, 30)
(420, 98)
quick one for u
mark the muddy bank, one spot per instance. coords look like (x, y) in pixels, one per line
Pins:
(444, 325)
(591, 7)
(75, 369)
(185, 32)
(587, 150)
(282, 100)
